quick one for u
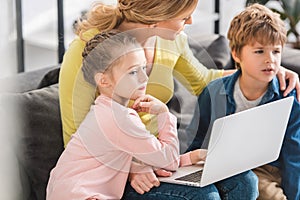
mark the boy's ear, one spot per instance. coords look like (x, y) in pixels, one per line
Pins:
(102, 80)
(235, 56)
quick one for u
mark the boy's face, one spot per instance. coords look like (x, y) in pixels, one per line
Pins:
(130, 78)
(259, 62)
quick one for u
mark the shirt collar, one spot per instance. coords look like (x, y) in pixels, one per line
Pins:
(229, 82)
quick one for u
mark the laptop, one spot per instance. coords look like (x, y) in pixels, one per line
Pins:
(239, 142)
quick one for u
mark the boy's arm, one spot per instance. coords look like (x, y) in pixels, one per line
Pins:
(201, 120)
(290, 155)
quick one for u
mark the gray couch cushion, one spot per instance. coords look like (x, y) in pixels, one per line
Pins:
(39, 135)
(50, 78)
(291, 59)
(24, 82)
(213, 54)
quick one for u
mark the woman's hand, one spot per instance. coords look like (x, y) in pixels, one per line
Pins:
(198, 155)
(293, 78)
(149, 104)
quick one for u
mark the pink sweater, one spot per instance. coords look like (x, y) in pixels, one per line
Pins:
(97, 160)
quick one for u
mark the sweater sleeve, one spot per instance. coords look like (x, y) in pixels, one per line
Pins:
(75, 94)
(131, 136)
(190, 72)
(185, 159)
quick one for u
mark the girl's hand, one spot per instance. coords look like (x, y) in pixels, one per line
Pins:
(285, 74)
(198, 155)
(143, 182)
(149, 104)
(163, 173)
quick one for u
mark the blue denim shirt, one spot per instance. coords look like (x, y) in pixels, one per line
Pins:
(217, 101)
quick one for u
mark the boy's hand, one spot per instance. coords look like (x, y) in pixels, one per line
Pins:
(149, 104)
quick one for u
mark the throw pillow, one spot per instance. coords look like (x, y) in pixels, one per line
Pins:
(49, 78)
(215, 56)
(38, 131)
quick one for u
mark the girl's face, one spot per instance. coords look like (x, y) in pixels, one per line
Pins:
(259, 62)
(129, 78)
(169, 29)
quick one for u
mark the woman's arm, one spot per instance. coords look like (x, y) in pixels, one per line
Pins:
(293, 80)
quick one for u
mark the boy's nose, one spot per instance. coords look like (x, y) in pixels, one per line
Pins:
(270, 58)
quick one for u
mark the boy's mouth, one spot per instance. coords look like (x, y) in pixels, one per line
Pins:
(268, 70)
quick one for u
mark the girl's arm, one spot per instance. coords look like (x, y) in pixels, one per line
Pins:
(193, 157)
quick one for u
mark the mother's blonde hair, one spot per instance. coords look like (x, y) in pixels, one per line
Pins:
(108, 17)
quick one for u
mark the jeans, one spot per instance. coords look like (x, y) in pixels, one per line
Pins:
(240, 187)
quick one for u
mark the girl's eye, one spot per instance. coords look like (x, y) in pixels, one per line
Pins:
(134, 72)
(144, 68)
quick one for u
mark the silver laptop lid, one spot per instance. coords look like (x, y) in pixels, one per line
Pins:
(246, 140)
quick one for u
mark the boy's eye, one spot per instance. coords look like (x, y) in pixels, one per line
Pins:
(259, 51)
(144, 68)
(276, 51)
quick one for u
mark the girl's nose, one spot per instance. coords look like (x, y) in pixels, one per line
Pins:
(143, 76)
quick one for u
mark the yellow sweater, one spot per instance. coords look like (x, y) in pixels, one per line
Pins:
(172, 58)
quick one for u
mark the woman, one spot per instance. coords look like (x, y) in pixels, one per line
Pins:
(169, 53)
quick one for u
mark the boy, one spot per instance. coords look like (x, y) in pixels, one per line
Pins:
(256, 37)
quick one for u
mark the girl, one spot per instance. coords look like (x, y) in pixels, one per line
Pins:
(97, 160)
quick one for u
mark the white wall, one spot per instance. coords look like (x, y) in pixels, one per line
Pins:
(8, 38)
(228, 9)
(40, 28)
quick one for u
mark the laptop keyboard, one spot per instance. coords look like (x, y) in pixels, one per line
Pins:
(193, 177)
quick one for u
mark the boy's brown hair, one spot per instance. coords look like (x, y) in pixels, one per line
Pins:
(256, 23)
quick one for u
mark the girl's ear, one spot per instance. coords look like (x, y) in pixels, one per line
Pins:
(102, 80)
(235, 56)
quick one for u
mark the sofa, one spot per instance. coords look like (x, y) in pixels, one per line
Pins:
(31, 128)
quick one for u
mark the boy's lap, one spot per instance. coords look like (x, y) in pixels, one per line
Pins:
(269, 183)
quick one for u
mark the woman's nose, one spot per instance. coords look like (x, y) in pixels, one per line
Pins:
(189, 20)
